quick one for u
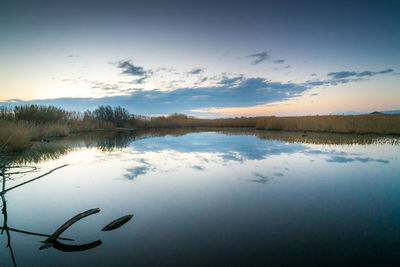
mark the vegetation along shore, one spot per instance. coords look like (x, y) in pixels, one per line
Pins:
(22, 124)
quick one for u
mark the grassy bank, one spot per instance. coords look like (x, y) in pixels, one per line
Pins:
(21, 125)
(360, 124)
(17, 136)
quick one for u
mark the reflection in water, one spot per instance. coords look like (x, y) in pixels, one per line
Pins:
(259, 178)
(108, 141)
(264, 179)
(51, 241)
(225, 146)
(339, 159)
(134, 172)
(198, 168)
(5, 227)
(54, 239)
(203, 190)
(317, 137)
(228, 145)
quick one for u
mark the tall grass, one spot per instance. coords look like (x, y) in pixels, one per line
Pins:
(360, 124)
(16, 136)
(181, 120)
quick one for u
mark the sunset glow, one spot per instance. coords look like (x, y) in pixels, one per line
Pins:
(209, 59)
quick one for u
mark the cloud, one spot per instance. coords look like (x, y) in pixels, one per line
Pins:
(313, 83)
(347, 74)
(247, 92)
(230, 92)
(342, 74)
(130, 69)
(279, 61)
(259, 57)
(196, 71)
(343, 77)
(178, 95)
(141, 80)
(231, 81)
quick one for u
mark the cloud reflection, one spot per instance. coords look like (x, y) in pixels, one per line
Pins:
(338, 159)
(135, 172)
(259, 178)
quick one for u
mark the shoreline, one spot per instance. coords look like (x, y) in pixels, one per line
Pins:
(18, 135)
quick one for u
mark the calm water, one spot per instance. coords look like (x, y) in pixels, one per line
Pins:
(206, 198)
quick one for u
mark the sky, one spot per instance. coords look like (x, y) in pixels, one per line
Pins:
(203, 58)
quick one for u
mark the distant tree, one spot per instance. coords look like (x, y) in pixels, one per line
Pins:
(121, 116)
(74, 115)
(104, 113)
(88, 115)
(118, 116)
(6, 113)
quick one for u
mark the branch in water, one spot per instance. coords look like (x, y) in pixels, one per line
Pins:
(31, 180)
(53, 238)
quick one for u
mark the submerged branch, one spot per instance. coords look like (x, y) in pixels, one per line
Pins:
(53, 238)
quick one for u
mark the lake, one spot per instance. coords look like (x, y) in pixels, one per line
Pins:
(204, 197)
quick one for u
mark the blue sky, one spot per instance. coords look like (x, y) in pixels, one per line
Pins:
(205, 58)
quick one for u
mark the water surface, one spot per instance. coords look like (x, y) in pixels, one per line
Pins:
(233, 197)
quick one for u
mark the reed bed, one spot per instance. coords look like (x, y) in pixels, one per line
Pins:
(22, 124)
(17, 136)
(360, 124)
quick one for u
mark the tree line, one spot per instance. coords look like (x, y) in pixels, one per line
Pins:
(40, 114)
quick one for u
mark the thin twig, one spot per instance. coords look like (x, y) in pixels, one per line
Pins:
(33, 233)
(31, 180)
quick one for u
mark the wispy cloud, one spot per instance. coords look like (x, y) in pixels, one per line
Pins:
(312, 83)
(343, 77)
(279, 61)
(140, 80)
(196, 71)
(130, 69)
(347, 74)
(259, 57)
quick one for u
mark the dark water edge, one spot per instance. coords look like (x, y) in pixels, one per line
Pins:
(232, 197)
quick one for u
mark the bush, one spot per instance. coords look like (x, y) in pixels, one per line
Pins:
(39, 114)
